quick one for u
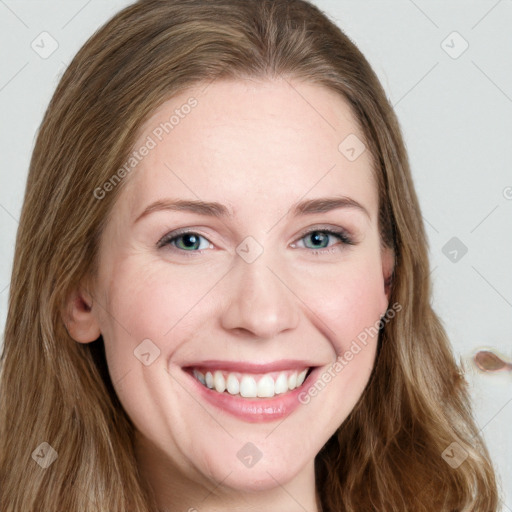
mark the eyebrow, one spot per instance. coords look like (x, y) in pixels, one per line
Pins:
(218, 210)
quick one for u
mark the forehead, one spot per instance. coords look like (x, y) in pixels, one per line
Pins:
(246, 142)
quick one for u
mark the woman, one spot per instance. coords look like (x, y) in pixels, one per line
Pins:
(174, 341)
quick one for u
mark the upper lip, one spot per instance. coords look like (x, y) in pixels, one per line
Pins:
(249, 367)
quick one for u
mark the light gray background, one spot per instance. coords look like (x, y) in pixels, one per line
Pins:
(455, 110)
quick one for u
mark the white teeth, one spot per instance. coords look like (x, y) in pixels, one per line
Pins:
(247, 386)
(292, 381)
(301, 377)
(281, 385)
(266, 387)
(219, 382)
(199, 376)
(233, 385)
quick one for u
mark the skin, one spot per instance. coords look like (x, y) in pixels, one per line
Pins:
(257, 148)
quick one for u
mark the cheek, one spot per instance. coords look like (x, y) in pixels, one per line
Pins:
(348, 311)
(346, 300)
(149, 301)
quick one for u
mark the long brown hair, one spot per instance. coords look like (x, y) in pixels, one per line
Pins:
(393, 451)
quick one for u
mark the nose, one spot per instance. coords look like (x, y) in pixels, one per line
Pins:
(258, 300)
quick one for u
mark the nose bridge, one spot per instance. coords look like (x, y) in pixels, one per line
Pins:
(258, 300)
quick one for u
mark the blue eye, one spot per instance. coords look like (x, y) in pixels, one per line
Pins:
(320, 237)
(187, 241)
(190, 241)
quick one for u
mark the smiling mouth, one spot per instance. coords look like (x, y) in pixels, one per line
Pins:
(250, 385)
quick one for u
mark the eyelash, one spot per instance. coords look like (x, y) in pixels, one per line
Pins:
(341, 234)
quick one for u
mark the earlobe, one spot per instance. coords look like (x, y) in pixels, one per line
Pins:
(79, 317)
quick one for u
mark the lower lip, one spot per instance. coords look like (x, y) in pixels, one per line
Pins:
(255, 411)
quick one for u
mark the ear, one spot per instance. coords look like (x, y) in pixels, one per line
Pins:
(79, 317)
(388, 266)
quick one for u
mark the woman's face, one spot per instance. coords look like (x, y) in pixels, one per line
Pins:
(242, 283)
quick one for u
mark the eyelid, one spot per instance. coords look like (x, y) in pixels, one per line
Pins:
(329, 228)
(178, 232)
